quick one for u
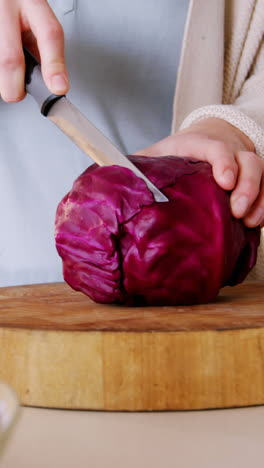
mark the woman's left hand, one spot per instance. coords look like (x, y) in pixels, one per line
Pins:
(235, 164)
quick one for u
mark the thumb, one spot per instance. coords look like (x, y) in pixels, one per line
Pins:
(50, 40)
(165, 147)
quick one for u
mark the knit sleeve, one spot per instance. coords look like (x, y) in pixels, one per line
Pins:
(232, 114)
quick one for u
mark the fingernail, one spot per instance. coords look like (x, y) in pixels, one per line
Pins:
(257, 218)
(59, 83)
(229, 176)
(240, 205)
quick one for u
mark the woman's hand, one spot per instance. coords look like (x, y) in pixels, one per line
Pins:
(234, 163)
(33, 23)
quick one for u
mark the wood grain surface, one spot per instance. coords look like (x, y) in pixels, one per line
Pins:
(56, 306)
(59, 349)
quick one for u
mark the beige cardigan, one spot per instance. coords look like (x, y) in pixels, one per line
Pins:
(221, 72)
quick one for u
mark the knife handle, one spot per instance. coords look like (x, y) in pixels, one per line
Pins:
(36, 86)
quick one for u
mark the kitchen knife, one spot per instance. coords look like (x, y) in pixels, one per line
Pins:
(76, 126)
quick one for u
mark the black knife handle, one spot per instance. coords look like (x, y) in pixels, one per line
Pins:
(35, 84)
(31, 62)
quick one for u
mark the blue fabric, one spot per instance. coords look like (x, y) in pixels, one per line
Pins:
(122, 59)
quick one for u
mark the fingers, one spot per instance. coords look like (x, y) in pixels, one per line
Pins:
(255, 216)
(241, 171)
(224, 165)
(216, 153)
(248, 183)
(12, 66)
(247, 199)
(35, 21)
(50, 41)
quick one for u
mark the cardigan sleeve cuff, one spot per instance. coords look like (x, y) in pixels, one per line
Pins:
(235, 117)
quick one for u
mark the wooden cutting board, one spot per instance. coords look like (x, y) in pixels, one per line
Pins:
(61, 350)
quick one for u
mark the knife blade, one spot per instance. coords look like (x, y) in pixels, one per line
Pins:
(76, 126)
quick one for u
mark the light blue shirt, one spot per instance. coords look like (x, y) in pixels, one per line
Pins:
(122, 59)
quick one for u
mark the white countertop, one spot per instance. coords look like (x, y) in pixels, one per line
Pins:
(79, 439)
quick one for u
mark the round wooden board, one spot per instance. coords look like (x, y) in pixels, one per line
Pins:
(61, 350)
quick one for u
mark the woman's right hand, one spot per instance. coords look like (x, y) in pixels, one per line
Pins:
(33, 24)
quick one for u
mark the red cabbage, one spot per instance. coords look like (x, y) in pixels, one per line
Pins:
(120, 246)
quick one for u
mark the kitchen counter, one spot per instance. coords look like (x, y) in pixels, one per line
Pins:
(46, 438)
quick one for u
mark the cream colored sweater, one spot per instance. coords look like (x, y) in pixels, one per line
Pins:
(221, 72)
